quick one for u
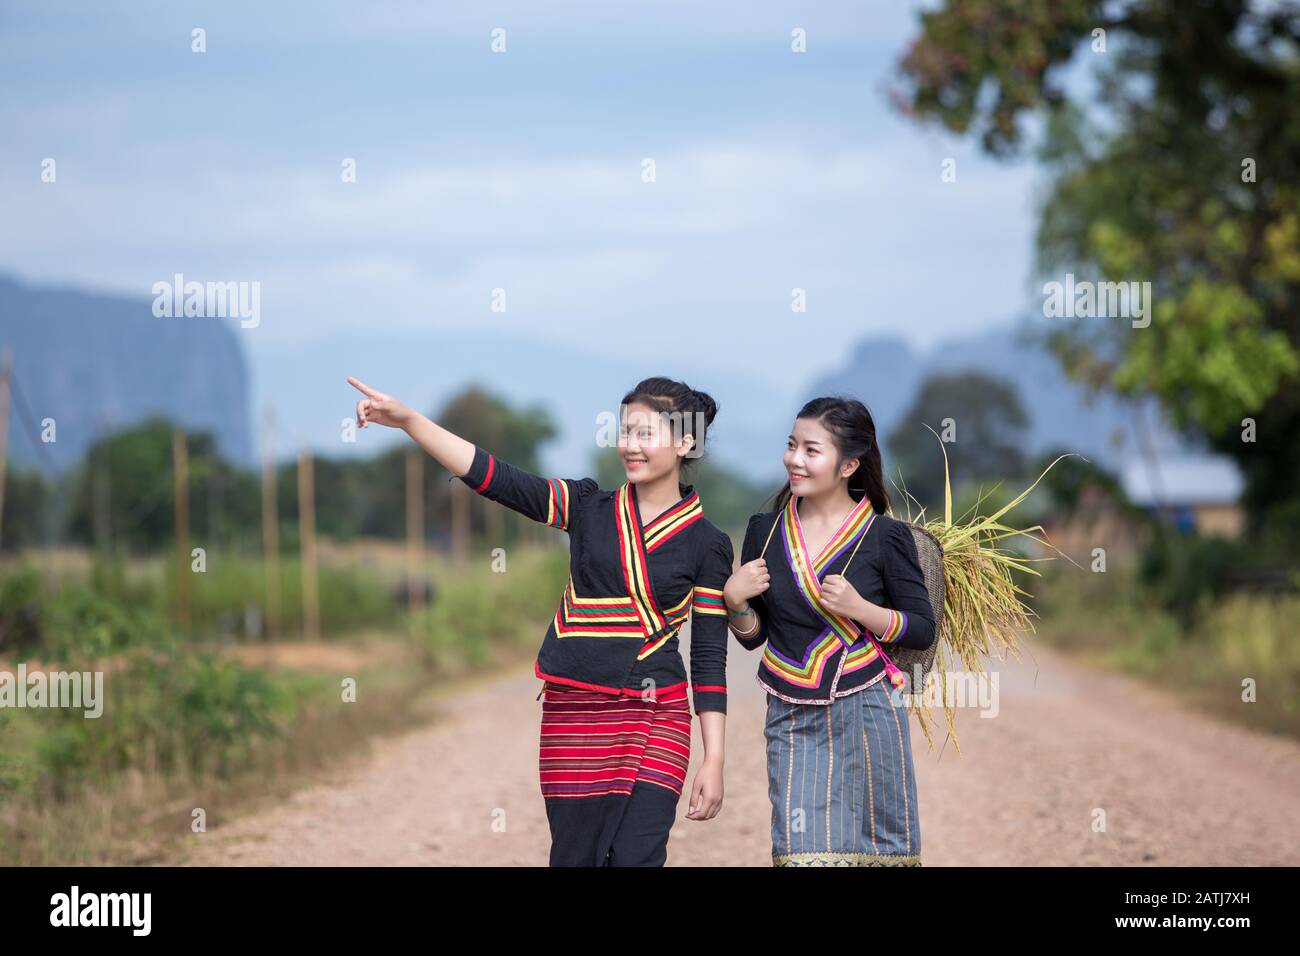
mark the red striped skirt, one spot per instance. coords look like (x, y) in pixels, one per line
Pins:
(594, 743)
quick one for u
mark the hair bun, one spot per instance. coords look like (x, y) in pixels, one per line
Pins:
(706, 404)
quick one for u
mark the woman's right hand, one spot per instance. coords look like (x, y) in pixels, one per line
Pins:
(379, 408)
(749, 580)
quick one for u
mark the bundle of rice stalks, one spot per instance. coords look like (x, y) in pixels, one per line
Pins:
(983, 614)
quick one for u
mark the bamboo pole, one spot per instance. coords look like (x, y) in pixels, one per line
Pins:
(270, 528)
(181, 478)
(494, 523)
(459, 523)
(6, 371)
(414, 527)
(307, 535)
(101, 493)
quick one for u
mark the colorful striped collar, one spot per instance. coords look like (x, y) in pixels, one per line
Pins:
(667, 524)
(848, 532)
(807, 571)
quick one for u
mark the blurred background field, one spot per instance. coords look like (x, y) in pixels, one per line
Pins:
(218, 711)
(211, 690)
(880, 213)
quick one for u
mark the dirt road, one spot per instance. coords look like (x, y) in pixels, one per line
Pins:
(1176, 788)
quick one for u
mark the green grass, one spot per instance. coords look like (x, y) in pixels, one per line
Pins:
(185, 725)
(1109, 619)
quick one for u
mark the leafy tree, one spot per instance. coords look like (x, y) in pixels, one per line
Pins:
(1183, 171)
(989, 425)
(728, 498)
(29, 502)
(130, 475)
(367, 497)
(486, 419)
(1071, 478)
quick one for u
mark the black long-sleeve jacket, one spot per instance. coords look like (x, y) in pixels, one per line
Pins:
(814, 655)
(631, 587)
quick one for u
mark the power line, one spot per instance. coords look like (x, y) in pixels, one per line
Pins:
(26, 418)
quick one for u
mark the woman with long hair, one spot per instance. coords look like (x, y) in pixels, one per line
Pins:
(616, 721)
(828, 581)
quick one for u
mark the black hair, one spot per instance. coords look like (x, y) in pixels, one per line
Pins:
(691, 407)
(854, 430)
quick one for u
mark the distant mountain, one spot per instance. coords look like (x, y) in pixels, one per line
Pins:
(886, 372)
(305, 388)
(94, 361)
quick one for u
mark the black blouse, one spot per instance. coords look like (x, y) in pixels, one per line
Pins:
(631, 587)
(814, 655)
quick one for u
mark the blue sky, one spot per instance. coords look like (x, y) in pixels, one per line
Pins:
(519, 170)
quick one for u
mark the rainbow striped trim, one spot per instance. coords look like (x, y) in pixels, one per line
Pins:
(680, 516)
(859, 656)
(580, 616)
(676, 618)
(897, 627)
(807, 571)
(557, 508)
(632, 557)
(811, 670)
(557, 505)
(637, 614)
(708, 601)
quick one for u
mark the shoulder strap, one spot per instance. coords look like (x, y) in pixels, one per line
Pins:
(859, 544)
(769, 534)
(846, 563)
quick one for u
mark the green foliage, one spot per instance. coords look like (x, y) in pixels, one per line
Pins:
(1186, 573)
(1111, 619)
(1182, 571)
(351, 596)
(74, 621)
(80, 625)
(486, 420)
(22, 595)
(479, 608)
(1184, 175)
(17, 773)
(164, 710)
(28, 509)
(728, 498)
(1070, 483)
(129, 476)
(989, 435)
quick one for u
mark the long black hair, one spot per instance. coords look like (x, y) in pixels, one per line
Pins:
(689, 406)
(854, 430)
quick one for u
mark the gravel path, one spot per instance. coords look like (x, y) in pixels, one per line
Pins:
(1177, 788)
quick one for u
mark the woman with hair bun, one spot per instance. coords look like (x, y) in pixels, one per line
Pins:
(839, 584)
(616, 715)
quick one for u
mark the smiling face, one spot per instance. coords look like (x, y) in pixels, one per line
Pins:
(646, 443)
(812, 461)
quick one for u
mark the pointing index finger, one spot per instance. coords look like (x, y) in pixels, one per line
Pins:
(362, 387)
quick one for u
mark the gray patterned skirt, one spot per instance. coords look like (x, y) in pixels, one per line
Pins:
(841, 782)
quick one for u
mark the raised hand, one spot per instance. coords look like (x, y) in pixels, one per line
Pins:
(379, 408)
(841, 597)
(749, 580)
